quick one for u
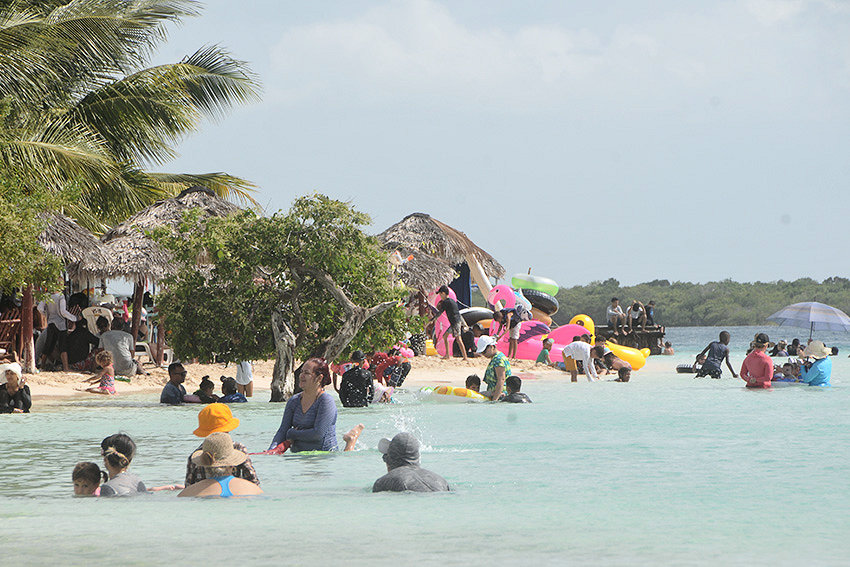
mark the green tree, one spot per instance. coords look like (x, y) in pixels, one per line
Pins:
(79, 105)
(292, 285)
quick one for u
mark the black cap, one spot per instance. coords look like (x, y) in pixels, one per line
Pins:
(358, 356)
(762, 338)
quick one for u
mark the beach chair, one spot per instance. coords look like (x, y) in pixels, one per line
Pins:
(10, 330)
(90, 314)
(145, 348)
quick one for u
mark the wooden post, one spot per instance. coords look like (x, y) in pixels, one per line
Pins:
(28, 346)
(160, 337)
(423, 311)
(138, 290)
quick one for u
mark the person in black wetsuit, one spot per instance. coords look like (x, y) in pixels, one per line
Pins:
(357, 388)
(513, 384)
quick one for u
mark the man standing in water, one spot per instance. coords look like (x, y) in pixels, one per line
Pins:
(403, 470)
(718, 351)
(174, 392)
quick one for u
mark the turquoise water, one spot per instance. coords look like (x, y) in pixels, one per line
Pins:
(665, 469)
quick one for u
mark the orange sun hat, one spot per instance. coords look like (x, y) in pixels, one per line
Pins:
(215, 418)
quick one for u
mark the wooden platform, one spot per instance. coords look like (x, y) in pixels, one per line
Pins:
(652, 338)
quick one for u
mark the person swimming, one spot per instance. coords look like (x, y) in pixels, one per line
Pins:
(87, 478)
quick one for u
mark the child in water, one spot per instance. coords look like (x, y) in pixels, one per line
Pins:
(231, 392)
(473, 382)
(206, 391)
(106, 376)
(87, 478)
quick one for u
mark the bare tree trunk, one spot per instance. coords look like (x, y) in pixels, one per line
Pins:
(283, 381)
(160, 338)
(355, 315)
(28, 348)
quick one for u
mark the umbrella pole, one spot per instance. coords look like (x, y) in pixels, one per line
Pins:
(811, 330)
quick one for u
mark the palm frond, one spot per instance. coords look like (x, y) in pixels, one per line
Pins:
(223, 185)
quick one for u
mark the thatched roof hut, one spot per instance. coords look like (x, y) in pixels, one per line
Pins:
(423, 233)
(423, 272)
(63, 237)
(134, 256)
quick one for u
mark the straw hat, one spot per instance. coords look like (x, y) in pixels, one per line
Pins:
(817, 349)
(215, 418)
(13, 367)
(218, 451)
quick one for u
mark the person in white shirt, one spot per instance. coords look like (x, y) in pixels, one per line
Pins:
(615, 316)
(57, 314)
(580, 351)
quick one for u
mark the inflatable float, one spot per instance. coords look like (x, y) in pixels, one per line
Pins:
(527, 281)
(451, 394)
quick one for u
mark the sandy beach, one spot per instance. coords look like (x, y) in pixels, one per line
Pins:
(425, 370)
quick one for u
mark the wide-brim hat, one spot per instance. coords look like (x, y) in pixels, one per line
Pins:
(483, 342)
(215, 418)
(218, 451)
(816, 349)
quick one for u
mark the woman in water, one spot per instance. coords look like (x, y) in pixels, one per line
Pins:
(118, 451)
(220, 458)
(309, 419)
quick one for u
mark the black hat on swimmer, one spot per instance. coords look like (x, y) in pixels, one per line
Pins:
(358, 356)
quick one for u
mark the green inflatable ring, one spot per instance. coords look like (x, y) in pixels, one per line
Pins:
(525, 281)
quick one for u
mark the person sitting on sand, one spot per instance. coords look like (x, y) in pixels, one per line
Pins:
(615, 316)
(498, 369)
(757, 369)
(120, 346)
(401, 454)
(470, 337)
(76, 350)
(87, 478)
(668, 349)
(15, 395)
(718, 351)
(357, 387)
(217, 418)
(219, 459)
(105, 378)
(174, 393)
(450, 307)
(309, 418)
(543, 357)
(118, 451)
(206, 391)
(624, 374)
(230, 392)
(473, 382)
(513, 385)
(580, 351)
(818, 367)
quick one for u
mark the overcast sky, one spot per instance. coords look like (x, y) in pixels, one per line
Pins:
(638, 140)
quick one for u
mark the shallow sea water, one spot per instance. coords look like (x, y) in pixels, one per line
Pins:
(665, 469)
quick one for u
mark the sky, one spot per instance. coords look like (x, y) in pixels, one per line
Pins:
(688, 141)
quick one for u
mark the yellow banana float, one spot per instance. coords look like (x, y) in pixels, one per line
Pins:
(636, 358)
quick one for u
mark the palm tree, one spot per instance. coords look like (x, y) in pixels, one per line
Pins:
(78, 106)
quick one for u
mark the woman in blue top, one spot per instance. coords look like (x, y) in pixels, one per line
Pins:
(816, 373)
(309, 419)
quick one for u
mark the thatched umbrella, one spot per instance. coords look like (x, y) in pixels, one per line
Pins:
(422, 233)
(422, 272)
(63, 237)
(133, 255)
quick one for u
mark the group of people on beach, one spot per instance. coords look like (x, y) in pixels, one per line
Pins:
(810, 364)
